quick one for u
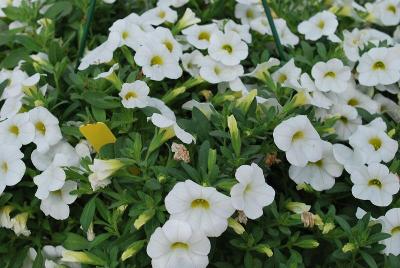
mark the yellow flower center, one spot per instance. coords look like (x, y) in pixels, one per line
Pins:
(297, 136)
(161, 14)
(228, 48)
(125, 35)
(282, 78)
(395, 230)
(330, 74)
(391, 8)
(14, 130)
(4, 167)
(249, 14)
(58, 193)
(204, 36)
(379, 65)
(344, 119)
(200, 203)
(375, 182)
(169, 45)
(180, 245)
(321, 24)
(156, 60)
(352, 102)
(376, 143)
(130, 95)
(217, 70)
(248, 188)
(319, 163)
(40, 127)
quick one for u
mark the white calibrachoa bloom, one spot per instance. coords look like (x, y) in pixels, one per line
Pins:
(177, 244)
(320, 174)
(389, 12)
(159, 15)
(129, 33)
(215, 72)
(157, 62)
(373, 143)
(331, 76)
(348, 121)
(379, 66)
(242, 30)
(227, 48)
(374, 183)
(17, 130)
(204, 208)
(134, 95)
(288, 75)
(191, 62)
(313, 95)
(101, 172)
(391, 225)
(50, 180)
(252, 193)
(164, 36)
(347, 157)
(56, 204)
(47, 131)
(247, 13)
(298, 138)
(321, 24)
(12, 168)
(199, 35)
(169, 124)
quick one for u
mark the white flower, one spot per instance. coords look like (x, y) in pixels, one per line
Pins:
(331, 76)
(242, 30)
(159, 15)
(134, 94)
(353, 42)
(286, 37)
(169, 124)
(47, 131)
(11, 107)
(205, 107)
(56, 203)
(157, 62)
(50, 180)
(313, 95)
(252, 193)
(372, 142)
(5, 220)
(388, 106)
(321, 24)
(348, 122)
(347, 157)
(215, 72)
(129, 33)
(391, 225)
(191, 62)
(203, 208)
(176, 244)
(174, 3)
(262, 69)
(19, 224)
(227, 48)
(109, 73)
(199, 35)
(17, 130)
(319, 174)
(298, 138)
(189, 18)
(288, 75)
(101, 171)
(356, 98)
(247, 13)
(374, 183)
(12, 168)
(389, 12)
(164, 36)
(379, 66)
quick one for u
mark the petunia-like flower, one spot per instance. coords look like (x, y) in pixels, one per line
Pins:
(252, 193)
(164, 36)
(247, 13)
(47, 131)
(159, 15)
(215, 72)
(203, 208)
(102, 171)
(157, 62)
(205, 107)
(298, 138)
(288, 75)
(134, 95)
(379, 66)
(56, 203)
(199, 35)
(50, 180)
(321, 24)
(320, 174)
(286, 37)
(177, 244)
(331, 76)
(191, 62)
(242, 30)
(391, 225)
(348, 121)
(5, 220)
(372, 142)
(17, 130)
(356, 98)
(313, 95)
(12, 168)
(19, 224)
(374, 183)
(170, 125)
(188, 19)
(261, 71)
(389, 12)
(128, 32)
(227, 48)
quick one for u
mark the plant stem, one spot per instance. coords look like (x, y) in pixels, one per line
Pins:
(89, 20)
(274, 31)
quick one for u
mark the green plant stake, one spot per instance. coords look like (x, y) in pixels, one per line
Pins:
(89, 20)
(274, 31)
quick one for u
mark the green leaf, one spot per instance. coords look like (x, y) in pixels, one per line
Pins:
(368, 259)
(88, 213)
(39, 260)
(101, 100)
(75, 242)
(59, 9)
(343, 223)
(13, 57)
